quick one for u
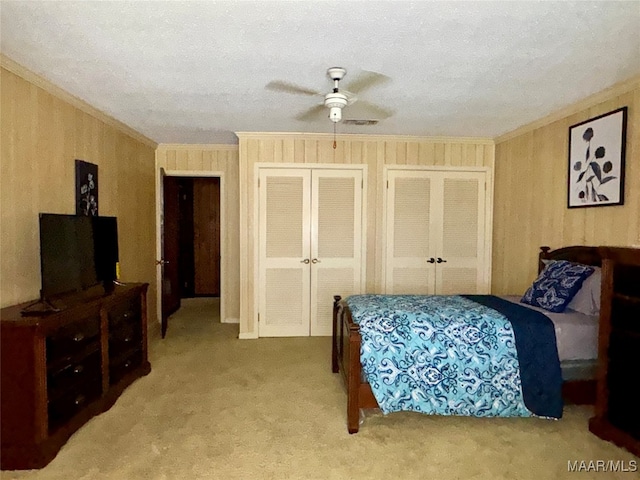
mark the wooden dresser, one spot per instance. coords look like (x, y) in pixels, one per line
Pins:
(61, 369)
(617, 415)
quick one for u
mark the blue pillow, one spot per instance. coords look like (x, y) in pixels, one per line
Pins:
(556, 285)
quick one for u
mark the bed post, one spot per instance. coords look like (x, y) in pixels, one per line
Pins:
(544, 254)
(353, 379)
(334, 342)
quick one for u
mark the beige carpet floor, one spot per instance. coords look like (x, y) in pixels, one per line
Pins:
(215, 407)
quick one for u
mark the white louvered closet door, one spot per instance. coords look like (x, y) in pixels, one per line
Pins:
(285, 241)
(435, 241)
(410, 221)
(461, 242)
(336, 248)
(310, 247)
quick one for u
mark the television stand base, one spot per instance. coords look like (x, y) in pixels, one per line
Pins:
(39, 308)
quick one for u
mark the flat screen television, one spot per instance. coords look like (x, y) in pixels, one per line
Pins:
(67, 255)
(76, 253)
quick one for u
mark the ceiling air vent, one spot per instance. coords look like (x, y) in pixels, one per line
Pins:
(360, 122)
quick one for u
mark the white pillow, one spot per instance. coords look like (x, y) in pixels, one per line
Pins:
(587, 300)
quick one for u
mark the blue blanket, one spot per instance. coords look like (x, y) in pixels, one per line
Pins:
(535, 338)
(447, 355)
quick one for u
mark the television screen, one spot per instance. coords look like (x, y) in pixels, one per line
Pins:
(66, 254)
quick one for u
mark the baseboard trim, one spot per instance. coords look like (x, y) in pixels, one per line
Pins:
(247, 336)
(231, 320)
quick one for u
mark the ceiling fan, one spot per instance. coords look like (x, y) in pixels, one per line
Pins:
(337, 98)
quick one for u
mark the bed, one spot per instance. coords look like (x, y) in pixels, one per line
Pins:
(574, 353)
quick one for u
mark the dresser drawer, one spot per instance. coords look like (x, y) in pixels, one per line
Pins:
(127, 311)
(66, 376)
(73, 338)
(124, 364)
(73, 401)
(122, 337)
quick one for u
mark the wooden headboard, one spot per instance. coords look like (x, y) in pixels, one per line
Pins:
(578, 254)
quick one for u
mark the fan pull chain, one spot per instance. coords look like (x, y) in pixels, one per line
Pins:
(334, 137)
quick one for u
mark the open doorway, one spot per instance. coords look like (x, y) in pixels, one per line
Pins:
(199, 236)
(190, 243)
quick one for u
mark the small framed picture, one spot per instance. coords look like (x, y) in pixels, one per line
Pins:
(596, 160)
(86, 188)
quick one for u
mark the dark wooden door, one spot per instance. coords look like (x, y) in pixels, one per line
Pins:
(206, 236)
(186, 264)
(170, 249)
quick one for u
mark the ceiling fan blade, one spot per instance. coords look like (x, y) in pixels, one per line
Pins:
(312, 114)
(280, 86)
(373, 111)
(367, 80)
(351, 97)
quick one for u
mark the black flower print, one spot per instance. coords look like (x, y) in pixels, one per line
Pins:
(593, 174)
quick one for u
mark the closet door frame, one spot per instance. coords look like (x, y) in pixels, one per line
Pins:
(485, 286)
(258, 166)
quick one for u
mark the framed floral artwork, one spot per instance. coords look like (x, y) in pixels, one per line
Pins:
(596, 160)
(86, 188)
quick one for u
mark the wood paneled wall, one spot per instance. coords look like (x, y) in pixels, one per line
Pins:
(42, 136)
(530, 202)
(194, 160)
(373, 151)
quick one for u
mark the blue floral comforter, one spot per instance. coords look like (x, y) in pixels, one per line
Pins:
(454, 355)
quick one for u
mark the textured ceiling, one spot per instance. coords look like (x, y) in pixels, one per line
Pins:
(195, 72)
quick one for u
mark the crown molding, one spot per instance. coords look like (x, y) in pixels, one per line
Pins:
(47, 86)
(590, 101)
(360, 137)
(227, 147)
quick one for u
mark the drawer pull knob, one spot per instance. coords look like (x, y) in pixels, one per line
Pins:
(128, 339)
(78, 337)
(127, 364)
(79, 400)
(78, 369)
(127, 314)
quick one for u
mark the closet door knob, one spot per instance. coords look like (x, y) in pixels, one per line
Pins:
(306, 260)
(315, 260)
(431, 260)
(441, 260)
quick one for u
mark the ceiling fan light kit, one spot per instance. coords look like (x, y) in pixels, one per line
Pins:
(335, 102)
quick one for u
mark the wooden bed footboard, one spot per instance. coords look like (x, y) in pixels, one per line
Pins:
(345, 359)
